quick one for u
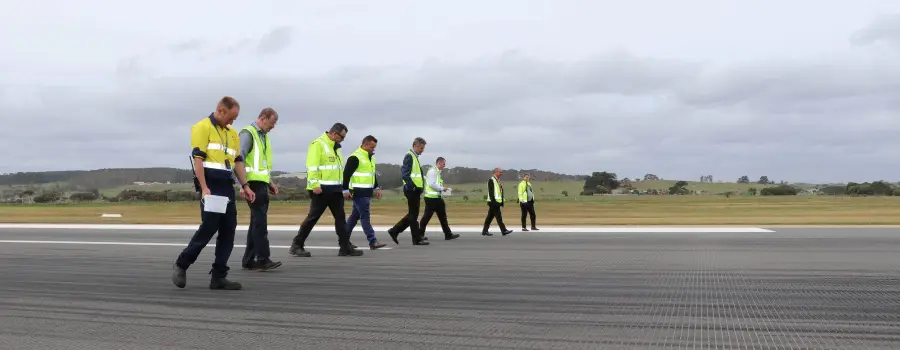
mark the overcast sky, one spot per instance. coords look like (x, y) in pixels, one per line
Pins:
(798, 90)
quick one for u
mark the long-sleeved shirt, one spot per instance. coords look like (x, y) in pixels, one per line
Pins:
(349, 169)
(312, 161)
(431, 179)
(406, 170)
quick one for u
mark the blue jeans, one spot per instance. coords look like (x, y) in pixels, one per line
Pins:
(361, 213)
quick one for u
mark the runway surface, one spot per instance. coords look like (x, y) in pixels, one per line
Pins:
(789, 289)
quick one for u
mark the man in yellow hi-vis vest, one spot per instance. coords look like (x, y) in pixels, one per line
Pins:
(256, 148)
(495, 202)
(361, 182)
(324, 175)
(526, 201)
(215, 159)
(413, 186)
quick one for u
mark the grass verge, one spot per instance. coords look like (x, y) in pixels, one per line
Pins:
(607, 210)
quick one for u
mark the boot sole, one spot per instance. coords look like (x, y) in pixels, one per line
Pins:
(274, 266)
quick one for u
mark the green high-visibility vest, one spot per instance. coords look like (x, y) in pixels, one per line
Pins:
(258, 166)
(416, 172)
(324, 165)
(364, 176)
(430, 192)
(523, 191)
(498, 191)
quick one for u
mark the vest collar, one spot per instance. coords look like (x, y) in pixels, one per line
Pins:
(361, 150)
(256, 126)
(328, 141)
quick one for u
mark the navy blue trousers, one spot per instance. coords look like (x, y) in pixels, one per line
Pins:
(225, 225)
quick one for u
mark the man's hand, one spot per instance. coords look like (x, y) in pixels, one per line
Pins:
(273, 188)
(205, 192)
(317, 190)
(377, 194)
(248, 194)
(446, 189)
(347, 194)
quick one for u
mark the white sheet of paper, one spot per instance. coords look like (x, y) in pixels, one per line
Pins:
(215, 204)
(449, 192)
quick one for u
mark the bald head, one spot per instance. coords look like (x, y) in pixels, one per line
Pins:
(498, 172)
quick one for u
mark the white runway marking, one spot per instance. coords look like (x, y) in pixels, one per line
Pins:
(458, 229)
(154, 244)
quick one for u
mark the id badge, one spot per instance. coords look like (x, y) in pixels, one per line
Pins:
(227, 164)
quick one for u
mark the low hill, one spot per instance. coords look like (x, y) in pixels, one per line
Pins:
(107, 179)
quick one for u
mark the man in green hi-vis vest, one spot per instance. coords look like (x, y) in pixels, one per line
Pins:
(361, 183)
(324, 182)
(495, 202)
(413, 186)
(256, 148)
(526, 201)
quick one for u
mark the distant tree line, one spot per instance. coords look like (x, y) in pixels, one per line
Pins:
(389, 176)
(604, 182)
(83, 186)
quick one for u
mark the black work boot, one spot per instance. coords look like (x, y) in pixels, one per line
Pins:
(250, 265)
(179, 276)
(267, 265)
(297, 250)
(350, 252)
(220, 282)
(394, 236)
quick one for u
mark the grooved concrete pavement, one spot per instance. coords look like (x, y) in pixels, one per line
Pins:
(791, 289)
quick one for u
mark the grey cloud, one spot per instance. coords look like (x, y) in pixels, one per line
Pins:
(275, 41)
(885, 28)
(620, 112)
(187, 46)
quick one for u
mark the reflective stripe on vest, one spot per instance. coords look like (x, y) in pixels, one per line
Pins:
(498, 191)
(430, 192)
(364, 176)
(215, 146)
(258, 163)
(416, 172)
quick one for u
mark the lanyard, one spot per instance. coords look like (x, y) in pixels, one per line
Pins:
(221, 139)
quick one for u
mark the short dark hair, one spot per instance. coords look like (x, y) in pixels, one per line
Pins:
(418, 141)
(369, 138)
(439, 159)
(338, 127)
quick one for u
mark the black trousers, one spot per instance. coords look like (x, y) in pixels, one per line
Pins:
(527, 209)
(225, 224)
(410, 220)
(333, 201)
(258, 230)
(493, 212)
(435, 206)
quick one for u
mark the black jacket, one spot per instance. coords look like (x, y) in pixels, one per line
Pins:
(491, 194)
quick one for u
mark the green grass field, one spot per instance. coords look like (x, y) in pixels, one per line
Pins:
(551, 209)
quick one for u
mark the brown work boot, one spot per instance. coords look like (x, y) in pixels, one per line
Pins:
(376, 245)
